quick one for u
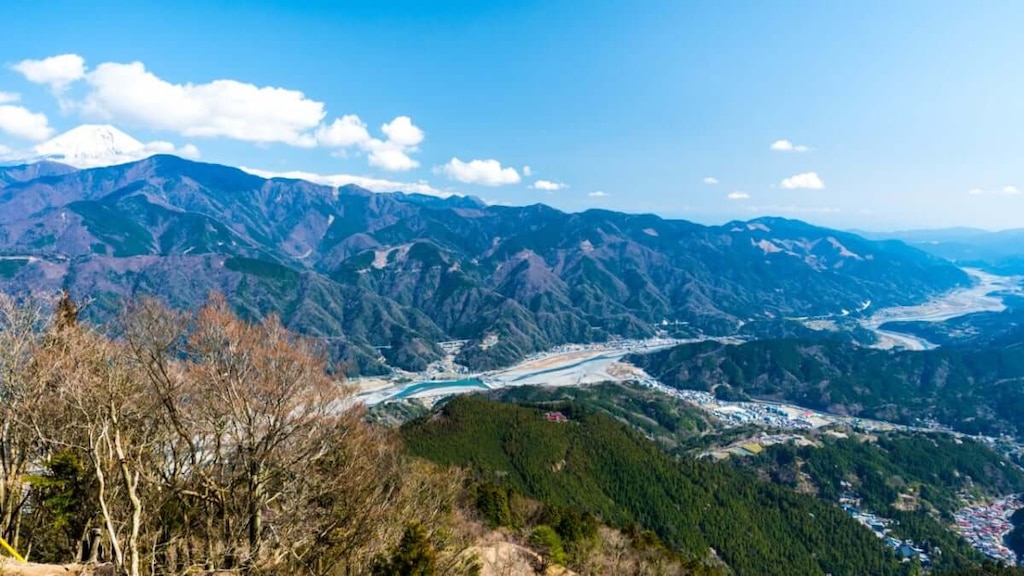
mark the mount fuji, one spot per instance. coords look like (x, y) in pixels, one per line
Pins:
(97, 145)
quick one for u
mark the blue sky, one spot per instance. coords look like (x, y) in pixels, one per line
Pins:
(911, 112)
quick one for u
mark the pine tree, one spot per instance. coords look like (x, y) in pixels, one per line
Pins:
(414, 556)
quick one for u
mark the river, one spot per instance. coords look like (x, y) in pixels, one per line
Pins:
(574, 366)
(982, 296)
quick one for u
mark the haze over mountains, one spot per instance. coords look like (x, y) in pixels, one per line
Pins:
(398, 273)
(1000, 252)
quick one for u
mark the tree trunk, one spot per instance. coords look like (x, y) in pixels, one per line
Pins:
(131, 486)
(94, 546)
(255, 511)
(108, 521)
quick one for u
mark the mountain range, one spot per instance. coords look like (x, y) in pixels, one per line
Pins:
(999, 252)
(384, 277)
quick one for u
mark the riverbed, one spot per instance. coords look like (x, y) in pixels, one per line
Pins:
(577, 366)
(985, 295)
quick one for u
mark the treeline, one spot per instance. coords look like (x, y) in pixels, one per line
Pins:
(977, 390)
(600, 467)
(199, 442)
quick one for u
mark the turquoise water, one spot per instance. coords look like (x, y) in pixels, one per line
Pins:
(424, 386)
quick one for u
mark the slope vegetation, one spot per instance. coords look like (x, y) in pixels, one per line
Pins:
(599, 466)
(418, 269)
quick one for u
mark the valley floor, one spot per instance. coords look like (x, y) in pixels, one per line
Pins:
(569, 365)
(577, 365)
(983, 296)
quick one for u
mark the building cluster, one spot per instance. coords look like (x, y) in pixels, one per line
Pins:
(617, 345)
(985, 527)
(446, 367)
(739, 413)
(906, 550)
(785, 417)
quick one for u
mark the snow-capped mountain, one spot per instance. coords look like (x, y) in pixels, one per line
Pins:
(95, 145)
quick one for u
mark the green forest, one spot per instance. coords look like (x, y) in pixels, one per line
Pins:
(917, 480)
(597, 466)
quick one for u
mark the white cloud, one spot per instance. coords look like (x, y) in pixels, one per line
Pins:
(226, 108)
(131, 95)
(1008, 190)
(6, 97)
(393, 154)
(482, 172)
(402, 132)
(372, 184)
(22, 123)
(56, 71)
(599, 194)
(787, 146)
(792, 209)
(527, 171)
(737, 195)
(390, 156)
(189, 151)
(806, 180)
(710, 180)
(346, 131)
(548, 185)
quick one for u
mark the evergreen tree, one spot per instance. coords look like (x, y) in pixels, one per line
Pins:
(414, 556)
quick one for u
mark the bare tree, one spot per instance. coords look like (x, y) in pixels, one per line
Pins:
(212, 443)
(21, 326)
(96, 406)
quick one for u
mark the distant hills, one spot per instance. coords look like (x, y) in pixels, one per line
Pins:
(977, 389)
(394, 274)
(998, 252)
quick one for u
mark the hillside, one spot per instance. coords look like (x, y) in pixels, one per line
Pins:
(973, 390)
(234, 452)
(334, 262)
(917, 480)
(596, 465)
(997, 252)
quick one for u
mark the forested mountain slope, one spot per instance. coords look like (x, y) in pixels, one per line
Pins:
(597, 465)
(399, 272)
